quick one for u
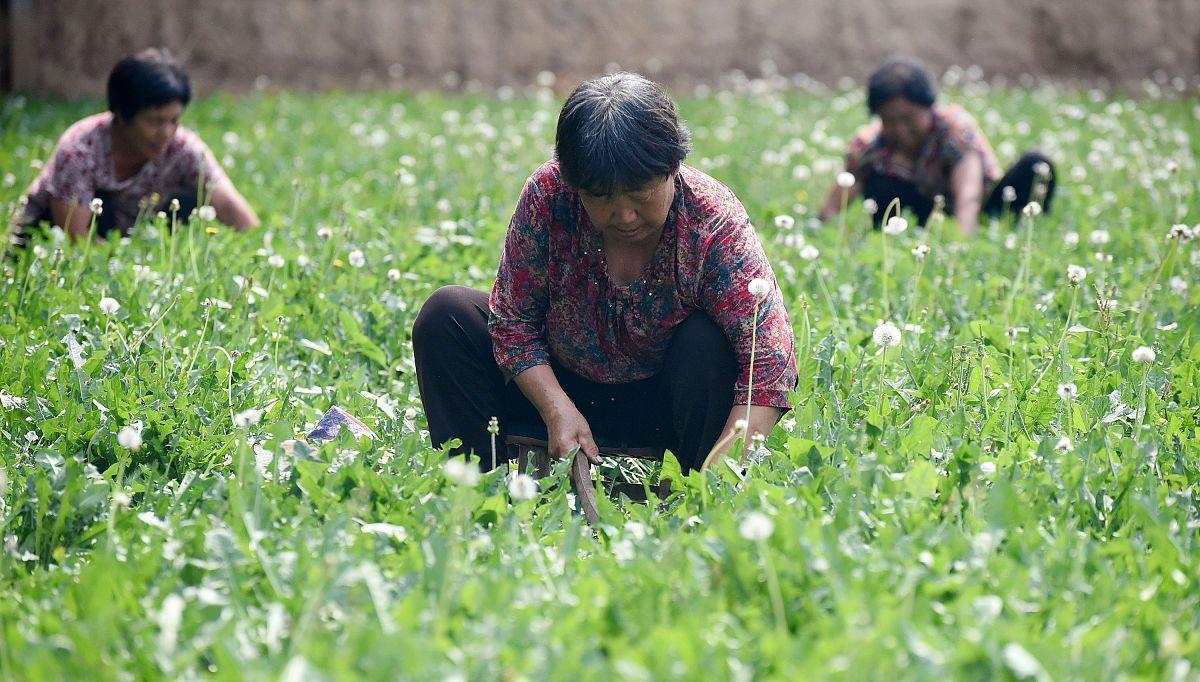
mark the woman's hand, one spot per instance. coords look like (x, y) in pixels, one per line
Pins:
(567, 430)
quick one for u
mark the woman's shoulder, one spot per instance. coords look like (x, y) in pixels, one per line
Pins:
(709, 203)
(956, 120)
(547, 180)
(85, 134)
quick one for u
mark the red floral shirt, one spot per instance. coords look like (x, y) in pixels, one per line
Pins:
(82, 165)
(954, 135)
(553, 296)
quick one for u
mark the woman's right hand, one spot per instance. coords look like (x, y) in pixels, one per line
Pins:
(567, 429)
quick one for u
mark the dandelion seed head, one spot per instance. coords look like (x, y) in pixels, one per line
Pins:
(895, 225)
(356, 258)
(785, 222)
(886, 335)
(759, 288)
(461, 472)
(1076, 274)
(1067, 391)
(97, 206)
(870, 206)
(276, 261)
(845, 180)
(1071, 239)
(1032, 210)
(1098, 237)
(1009, 194)
(1143, 354)
(109, 306)
(393, 275)
(522, 487)
(207, 213)
(920, 251)
(810, 252)
(247, 418)
(1064, 445)
(756, 526)
(130, 438)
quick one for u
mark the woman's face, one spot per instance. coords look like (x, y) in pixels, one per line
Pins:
(905, 123)
(632, 216)
(151, 130)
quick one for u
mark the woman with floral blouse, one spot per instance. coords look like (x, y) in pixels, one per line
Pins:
(621, 310)
(131, 160)
(920, 150)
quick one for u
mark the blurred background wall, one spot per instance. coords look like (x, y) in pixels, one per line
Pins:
(67, 46)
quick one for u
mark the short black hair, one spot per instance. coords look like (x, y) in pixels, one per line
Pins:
(900, 76)
(618, 132)
(151, 78)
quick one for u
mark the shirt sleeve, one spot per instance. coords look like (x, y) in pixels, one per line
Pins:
(856, 151)
(521, 294)
(732, 258)
(71, 175)
(196, 161)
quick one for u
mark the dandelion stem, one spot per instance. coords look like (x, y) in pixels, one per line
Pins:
(750, 380)
(773, 587)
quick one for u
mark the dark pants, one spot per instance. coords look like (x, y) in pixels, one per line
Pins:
(106, 222)
(682, 408)
(1021, 177)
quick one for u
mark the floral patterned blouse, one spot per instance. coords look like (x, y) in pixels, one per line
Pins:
(553, 296)
(955, 134)
(82, 165)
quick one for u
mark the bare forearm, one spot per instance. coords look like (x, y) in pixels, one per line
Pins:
(541, 387)
(762, 418)
(834, 201)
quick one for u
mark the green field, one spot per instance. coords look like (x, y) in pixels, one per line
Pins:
(928, 519)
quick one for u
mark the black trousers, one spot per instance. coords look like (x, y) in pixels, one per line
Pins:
(682, 408)
(1021, 177)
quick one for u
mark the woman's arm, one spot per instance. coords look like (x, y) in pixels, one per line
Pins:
(73, 217)
(566, 427)
(762, 419)
(966, 182)
(833, 201)
(232, 208)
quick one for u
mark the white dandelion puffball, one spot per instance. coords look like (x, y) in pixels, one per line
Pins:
(759, 288)
(325, 232)
(247, 418)
(522, 487)
(1143, 354)
(845, 180)
(756, 526)
(740, 426)
(1098, 237)
(886, 335)
(920, 251)
(303, 260)
(1032, 210)
(809, 252)
(276, 261)
(356, 259)
(1071, 239)
(987, 468)
(1181, 232)
(1063, 444)
(130, 439)
(97, 206)
(870, 206)
(207, 213)
(895, 225)
(461, 472)
(1009, 194)
(1042, 169)
(1178, 284)
(1076, 274)
(785, 222)
(109, 306)
(1067, 391)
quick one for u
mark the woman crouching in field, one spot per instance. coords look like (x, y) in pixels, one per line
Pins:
(622, 308)
(918, 151)
(118, 160)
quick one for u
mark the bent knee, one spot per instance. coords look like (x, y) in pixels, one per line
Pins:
(443, 306)
(700, 342)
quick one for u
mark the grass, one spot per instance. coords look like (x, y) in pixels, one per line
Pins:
(925, 520)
